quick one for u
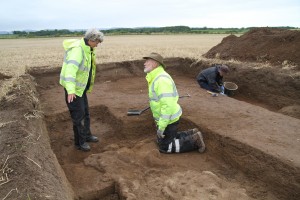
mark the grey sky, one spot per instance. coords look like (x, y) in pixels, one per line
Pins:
(82, 14)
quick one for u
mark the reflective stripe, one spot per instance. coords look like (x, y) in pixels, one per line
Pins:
(177, 146)
(74, 62)
(67, 52)
(170, 148)
(171, 117)
(157, 98)
(71, 79)
(80, 84)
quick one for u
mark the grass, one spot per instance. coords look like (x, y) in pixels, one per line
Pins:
(6, 86)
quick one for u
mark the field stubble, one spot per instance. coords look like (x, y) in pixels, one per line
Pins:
(19, 54)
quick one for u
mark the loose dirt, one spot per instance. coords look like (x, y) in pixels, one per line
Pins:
(266, 45)
(252, 137)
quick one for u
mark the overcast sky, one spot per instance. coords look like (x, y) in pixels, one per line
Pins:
(83, 14)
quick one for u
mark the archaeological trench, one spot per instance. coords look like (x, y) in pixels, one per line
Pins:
(252, 137)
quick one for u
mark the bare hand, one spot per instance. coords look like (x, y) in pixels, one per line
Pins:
(71, 97)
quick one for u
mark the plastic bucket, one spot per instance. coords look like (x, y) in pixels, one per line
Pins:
(230, 88)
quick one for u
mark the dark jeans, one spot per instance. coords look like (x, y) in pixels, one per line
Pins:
(206, 86)
(175, 142)
(79, 111)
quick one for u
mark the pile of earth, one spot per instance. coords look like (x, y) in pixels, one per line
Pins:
(267, 45)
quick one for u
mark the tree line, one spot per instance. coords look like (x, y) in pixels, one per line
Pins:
(138, 31)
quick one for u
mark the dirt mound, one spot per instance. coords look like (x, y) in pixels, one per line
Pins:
(270, 45)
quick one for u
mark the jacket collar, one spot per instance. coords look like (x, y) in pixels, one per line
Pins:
(85, 47)
(151, 75)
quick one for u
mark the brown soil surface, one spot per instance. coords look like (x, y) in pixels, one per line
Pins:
(253, 141)
(269, 45)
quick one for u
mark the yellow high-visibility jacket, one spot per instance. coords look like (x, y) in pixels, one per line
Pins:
(77, 63)
(163, 97)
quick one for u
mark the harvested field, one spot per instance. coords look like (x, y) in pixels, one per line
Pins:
(18, 55)
(252, 139)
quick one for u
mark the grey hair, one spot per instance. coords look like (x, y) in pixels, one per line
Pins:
(94, 34)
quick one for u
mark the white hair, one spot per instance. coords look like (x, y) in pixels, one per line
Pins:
(94, 34)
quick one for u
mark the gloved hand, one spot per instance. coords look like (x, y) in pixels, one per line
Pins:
(160, 133)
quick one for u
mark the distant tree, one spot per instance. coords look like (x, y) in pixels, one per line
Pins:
(146, 30)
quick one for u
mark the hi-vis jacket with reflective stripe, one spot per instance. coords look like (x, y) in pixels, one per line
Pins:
(163, 98)
(77, 63)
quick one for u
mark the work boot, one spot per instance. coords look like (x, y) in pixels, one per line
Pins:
(92, 138)
(84, 147)
(198, 139)
(188, 132)
(192, 131)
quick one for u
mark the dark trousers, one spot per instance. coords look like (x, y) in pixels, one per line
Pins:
(79, 111)
(175, 142)
(206, 86)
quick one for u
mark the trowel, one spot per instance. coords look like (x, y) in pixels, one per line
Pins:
(136, 112)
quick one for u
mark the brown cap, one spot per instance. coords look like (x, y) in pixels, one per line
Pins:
(224, 68)
(157, 57)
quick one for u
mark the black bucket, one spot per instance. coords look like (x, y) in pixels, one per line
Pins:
(230, 88)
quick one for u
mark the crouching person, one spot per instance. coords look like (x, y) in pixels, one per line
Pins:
(166, 111)
(212, 78)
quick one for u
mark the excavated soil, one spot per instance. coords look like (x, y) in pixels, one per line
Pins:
(252, 137)
(266, 45)
(252, 149)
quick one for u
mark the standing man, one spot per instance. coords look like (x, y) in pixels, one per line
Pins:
(166, 111)
(77, 77)
(212, 78)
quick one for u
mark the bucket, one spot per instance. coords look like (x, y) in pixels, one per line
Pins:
(230, 88)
